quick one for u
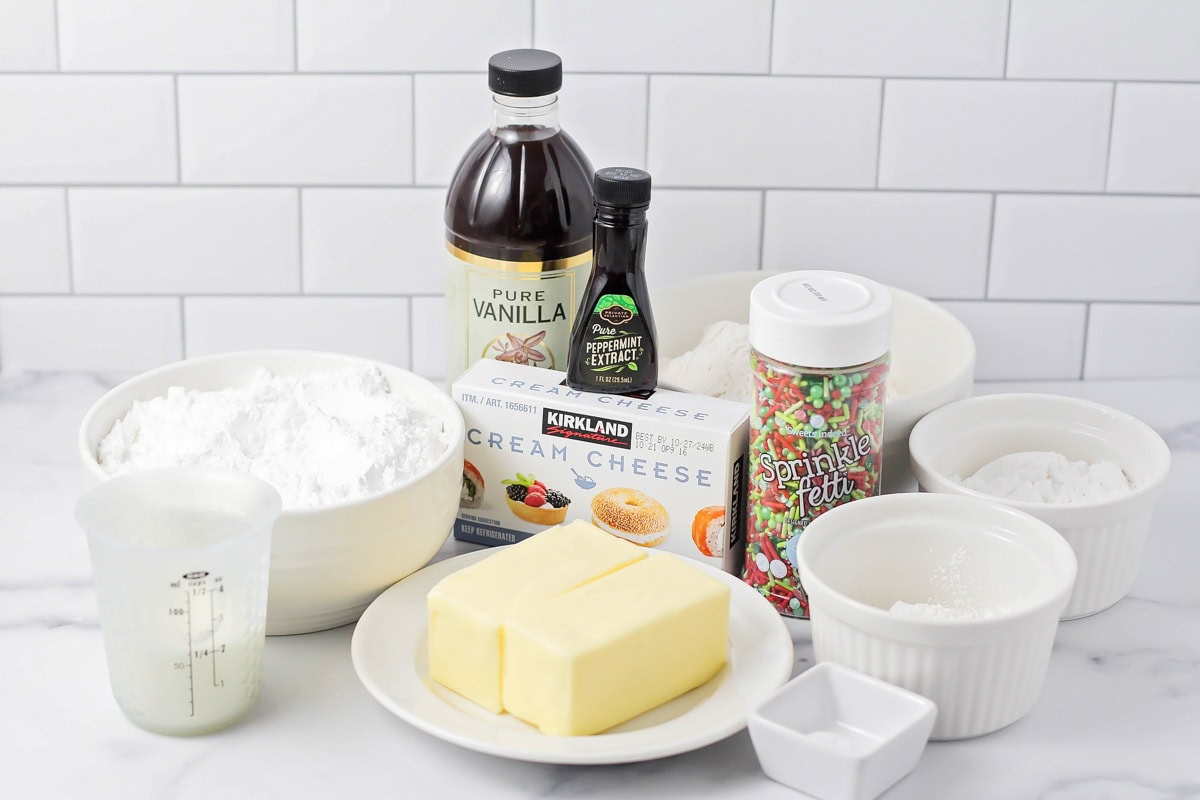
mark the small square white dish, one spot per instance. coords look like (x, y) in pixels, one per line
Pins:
(837, 734)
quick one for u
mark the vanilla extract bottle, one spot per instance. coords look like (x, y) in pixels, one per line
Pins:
(613, 347)
(518, 225)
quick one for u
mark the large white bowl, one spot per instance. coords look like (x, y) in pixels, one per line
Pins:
(933, 353)
(1108, 536)
(858, 559)
(327, 564)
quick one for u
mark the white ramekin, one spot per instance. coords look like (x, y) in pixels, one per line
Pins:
(856, 560)
(1107, 536)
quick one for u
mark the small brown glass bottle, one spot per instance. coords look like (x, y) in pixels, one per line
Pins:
(613, 342)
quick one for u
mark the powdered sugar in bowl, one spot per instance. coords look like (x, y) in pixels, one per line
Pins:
(1105, 523)
(388, 455)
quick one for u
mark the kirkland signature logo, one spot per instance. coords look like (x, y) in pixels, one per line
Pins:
(587, 428)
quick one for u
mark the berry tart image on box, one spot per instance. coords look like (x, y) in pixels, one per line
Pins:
(530, 500)
(632, 515)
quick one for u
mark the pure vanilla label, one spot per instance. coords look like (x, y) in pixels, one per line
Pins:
(522, 317)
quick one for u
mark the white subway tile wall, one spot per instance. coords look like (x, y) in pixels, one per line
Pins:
(181, 177)
(1156, 138)
(87, 129)
(89, 333)
(404, 35)
(1136, 340)
(914, 38)
(1018, 341)
(286, 129)
(763, 131)
(27, 39)
(1151, 40)
(681, 243)
(373, 241)
(995, 135)
(33, 241)
(372, 327)
(931, 244)
(429, 351)
(185, 240)
(1096, 248)
(175, 36)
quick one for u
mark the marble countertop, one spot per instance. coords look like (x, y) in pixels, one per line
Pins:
(1119, 716)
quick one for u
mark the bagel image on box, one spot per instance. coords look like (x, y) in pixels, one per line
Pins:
(664, 469)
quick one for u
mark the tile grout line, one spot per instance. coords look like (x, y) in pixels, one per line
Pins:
(646, 143)
(182, 328)
(987, 267)
(300, 236)
(412, 129)
(284, 73)
(879, 130)
(1112, 118)
(178, 134)
(533, 23)
(412, 362)
(1087, 324)
(1007, 39)
(70, 244)
(295, 38)
(762, 230)
(57, 41)
(771, 41)
(277, 295)
(673, 187)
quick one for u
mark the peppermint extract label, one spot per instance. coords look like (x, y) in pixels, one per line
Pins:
(615, 346)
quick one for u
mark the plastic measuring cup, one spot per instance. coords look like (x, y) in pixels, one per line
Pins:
(180, 557)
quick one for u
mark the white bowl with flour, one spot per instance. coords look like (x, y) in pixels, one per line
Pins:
(933, 353)
(342, 540)
(1104, 522)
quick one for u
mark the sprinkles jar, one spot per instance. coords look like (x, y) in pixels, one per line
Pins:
(819, 353)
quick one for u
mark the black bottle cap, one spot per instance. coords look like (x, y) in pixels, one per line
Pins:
(525, 73)
(621, 187)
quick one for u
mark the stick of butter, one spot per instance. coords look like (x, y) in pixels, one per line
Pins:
(614, 648)
(468, 608)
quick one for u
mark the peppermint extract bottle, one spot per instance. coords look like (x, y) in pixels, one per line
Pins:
(613, 342)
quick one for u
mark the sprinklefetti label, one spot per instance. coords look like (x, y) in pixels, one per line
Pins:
(816, 439)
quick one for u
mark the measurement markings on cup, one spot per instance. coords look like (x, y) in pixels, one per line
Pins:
(191, 680)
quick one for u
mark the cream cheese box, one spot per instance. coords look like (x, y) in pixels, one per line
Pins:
(662, 469)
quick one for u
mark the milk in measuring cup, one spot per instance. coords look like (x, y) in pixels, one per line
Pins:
(181, 559)
(197, 671)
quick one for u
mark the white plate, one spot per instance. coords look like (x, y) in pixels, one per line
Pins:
(391, 659)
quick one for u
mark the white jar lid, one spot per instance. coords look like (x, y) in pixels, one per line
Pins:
(820, 318)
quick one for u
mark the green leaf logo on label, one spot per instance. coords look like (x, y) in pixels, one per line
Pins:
(616, 309)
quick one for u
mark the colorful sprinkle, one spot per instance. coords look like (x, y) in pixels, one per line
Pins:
(815, 443)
